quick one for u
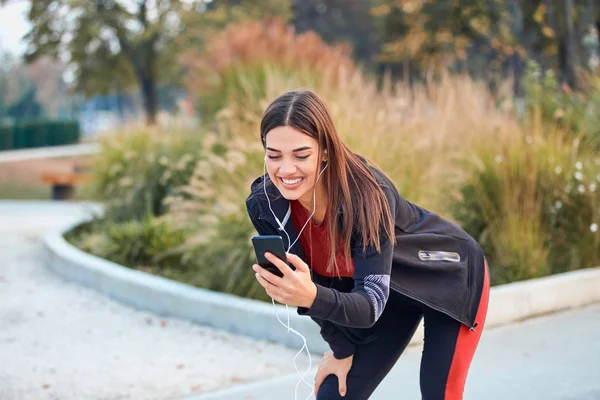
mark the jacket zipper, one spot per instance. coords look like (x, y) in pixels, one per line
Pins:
(435, 255)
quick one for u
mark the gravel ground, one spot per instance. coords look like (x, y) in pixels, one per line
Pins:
(62, 341)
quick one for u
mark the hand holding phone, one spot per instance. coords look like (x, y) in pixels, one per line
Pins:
(274, 245)
(298, 289)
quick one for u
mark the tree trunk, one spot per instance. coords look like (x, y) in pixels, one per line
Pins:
(150, 95)
(571, 51)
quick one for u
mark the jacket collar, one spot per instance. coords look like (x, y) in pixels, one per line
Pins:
(279, 204)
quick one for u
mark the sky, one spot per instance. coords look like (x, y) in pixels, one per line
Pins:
(13, 25)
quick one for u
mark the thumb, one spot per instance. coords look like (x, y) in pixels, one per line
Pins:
(297, 262)
(342, 384)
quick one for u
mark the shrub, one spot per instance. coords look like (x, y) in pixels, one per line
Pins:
(245, 48)
(528, 205)
(576, 112)
(141, 244)
(38, 133)
(139, 166)
(6, 137)
(212, 205)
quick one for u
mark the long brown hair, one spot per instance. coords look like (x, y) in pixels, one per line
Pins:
(348, 181)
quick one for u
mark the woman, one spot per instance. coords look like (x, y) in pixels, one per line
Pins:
(369, 264)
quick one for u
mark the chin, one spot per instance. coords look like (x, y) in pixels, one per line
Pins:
(290, 194)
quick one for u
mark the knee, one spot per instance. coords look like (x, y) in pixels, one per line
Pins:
(330, 390)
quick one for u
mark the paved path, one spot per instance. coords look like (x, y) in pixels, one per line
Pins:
(61, 341)
(555, 357)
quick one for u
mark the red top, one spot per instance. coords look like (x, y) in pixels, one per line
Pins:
(315, 243)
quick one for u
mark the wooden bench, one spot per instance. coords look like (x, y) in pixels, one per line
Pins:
(63, 183)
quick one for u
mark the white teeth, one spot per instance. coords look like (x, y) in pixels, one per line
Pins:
(291, 182)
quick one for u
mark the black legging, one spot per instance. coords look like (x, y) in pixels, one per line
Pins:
(448, 350)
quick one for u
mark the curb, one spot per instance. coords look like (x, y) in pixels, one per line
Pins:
(166, 297)
(508, 303)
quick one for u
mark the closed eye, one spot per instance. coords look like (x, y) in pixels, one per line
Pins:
(278, 157)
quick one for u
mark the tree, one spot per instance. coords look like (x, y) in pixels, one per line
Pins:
(436, 35)
(339, 21)
(112, 45)
(500, 33)
(5, 65)
(27, 107)
(553, 32)
(220, 13)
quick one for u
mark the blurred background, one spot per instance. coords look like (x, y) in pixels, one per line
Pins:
(484, 111)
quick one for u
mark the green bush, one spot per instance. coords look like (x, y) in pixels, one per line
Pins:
(533, 206)
(212, 207)
(575, 112)
(573, 216)
(6, 137)
(38, 134)
(136, 244)
(138, 167)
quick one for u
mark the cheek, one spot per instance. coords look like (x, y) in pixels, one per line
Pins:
(272, 174)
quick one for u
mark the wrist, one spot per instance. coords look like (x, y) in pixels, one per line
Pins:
(312, 295)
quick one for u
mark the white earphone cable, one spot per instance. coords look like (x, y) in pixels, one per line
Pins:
(288, 327)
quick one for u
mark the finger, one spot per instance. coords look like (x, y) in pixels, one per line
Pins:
(273, 291)
(267, 275)
(297, 262)
(280, 264)
(342, 384)
(318, 380)
(269, 287)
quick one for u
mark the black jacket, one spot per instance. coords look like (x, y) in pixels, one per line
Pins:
(434, 262)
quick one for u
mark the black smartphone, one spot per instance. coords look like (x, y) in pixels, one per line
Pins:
(274, 245)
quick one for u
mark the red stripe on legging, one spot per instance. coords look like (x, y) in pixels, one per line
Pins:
(466, 344)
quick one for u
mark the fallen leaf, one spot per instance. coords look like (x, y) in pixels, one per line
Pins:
(195, 388)
(180, 366)
(46, 386)
(163, 323)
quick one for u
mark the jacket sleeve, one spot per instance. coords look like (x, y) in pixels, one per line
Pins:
(340, 345)
(363, 306)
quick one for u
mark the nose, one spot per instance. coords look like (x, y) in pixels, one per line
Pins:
(287, 167)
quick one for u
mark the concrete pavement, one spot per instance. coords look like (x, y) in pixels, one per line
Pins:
(555, 357)
(59, 340)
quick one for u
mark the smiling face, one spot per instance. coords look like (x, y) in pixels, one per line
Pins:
(292, 158)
